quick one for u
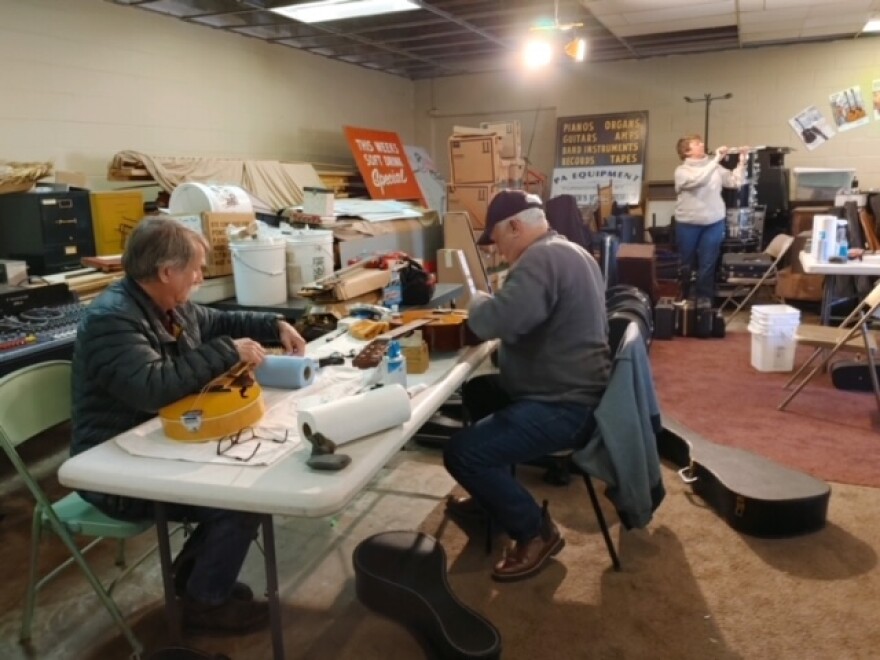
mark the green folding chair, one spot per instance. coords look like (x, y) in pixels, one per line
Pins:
(33, 399)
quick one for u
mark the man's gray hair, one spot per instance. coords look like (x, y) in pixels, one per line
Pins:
(158, 241)
(533, 217)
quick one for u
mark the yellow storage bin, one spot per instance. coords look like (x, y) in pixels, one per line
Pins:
(114, 215)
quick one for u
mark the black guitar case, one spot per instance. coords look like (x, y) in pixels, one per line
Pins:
(853, 375)
(754, 495)
(402, 575)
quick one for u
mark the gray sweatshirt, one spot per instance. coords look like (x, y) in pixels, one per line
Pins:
(550, 317)
(698, 183)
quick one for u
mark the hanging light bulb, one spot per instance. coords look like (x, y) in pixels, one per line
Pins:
(537, 53)
(576, 49)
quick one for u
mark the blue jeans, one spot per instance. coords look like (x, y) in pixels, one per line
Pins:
(700, 244)
(213, 554)
(479, 456)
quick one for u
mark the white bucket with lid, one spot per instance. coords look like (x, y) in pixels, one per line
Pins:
(309, 257)
(192, 197)
(259, 270)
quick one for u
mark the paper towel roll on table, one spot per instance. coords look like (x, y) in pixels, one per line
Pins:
(356, 416)
(828, 225)
(287, 372)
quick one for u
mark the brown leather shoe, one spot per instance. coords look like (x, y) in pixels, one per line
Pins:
(464, 506)
(231, 616)
(525, 558)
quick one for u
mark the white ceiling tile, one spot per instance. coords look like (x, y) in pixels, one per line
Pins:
(777, 16)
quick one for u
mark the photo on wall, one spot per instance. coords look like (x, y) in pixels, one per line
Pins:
(812, 127)
(848, 108)
(875, 87)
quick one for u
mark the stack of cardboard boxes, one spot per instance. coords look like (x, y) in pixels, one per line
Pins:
(483, 161)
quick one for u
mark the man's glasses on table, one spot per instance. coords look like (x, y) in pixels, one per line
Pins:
(249, 436)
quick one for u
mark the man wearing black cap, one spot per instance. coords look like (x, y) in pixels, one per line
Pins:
(554, 364)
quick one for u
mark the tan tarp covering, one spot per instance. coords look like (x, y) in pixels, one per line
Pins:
(277, 185)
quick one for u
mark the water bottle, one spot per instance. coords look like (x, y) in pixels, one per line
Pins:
(395, 365)
(392, 295)
(822, 250)
(842, 241)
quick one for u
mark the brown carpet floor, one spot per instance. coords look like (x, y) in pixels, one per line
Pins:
(711, 387)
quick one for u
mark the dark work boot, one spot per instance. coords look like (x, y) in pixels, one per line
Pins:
(231, 616)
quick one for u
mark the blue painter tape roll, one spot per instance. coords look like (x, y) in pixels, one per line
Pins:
(287, 372)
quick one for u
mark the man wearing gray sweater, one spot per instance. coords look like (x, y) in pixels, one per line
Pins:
(554, 364)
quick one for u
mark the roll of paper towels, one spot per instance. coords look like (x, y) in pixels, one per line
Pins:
(286, 372)
(356, 416)
(827, 224)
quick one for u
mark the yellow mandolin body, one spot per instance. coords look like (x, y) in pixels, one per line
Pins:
(224, 408)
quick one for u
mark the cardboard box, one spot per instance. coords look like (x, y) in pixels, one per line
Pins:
(476, 159)
(360, 282)
(114, 215)
(799, 286)
(474, 200)
(511, 136)
(213, 227)
(419, 238)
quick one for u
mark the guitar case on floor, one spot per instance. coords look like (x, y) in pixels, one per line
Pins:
(853, 375)
(753, 494)
(402, 575)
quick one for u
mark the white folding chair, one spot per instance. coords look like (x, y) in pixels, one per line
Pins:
(748, 287)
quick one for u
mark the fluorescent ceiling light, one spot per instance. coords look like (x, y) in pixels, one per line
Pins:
(873, 25)
(335, 10)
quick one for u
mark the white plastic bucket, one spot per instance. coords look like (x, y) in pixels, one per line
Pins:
(309, 257)
(192, 197)
(773, 350)
(258, 269)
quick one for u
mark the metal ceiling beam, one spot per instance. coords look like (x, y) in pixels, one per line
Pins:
(461, 23)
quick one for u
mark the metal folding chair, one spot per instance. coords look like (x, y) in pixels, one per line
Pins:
(747, 288)
(33, 399)
(832, 340)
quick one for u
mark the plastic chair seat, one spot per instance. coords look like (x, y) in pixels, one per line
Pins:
(80, 517)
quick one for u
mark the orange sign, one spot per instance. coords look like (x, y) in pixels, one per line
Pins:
(383, 164)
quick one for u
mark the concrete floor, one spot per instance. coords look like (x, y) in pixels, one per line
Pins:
(314, 568)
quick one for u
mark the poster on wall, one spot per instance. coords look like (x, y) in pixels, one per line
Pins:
(432, 185)
(598, 150)
(811, 127)
(875, 88)
(848, 108)
(383, 164)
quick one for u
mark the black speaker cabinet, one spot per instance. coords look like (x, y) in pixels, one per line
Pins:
(51, 231)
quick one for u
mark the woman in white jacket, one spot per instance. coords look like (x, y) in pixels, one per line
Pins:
(699, 211)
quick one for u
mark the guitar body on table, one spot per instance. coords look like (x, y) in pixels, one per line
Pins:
(223, 407)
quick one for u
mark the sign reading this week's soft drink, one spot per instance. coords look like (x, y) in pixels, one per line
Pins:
(383, 164)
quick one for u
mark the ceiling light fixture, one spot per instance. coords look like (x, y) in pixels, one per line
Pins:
(873, 25)
(539, 50)
(335, 10)
(576, 49)
(537, 53)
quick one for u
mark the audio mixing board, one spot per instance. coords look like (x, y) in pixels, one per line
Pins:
(36, 324)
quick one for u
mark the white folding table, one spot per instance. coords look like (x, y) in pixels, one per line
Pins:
(287, 488)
